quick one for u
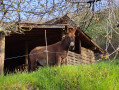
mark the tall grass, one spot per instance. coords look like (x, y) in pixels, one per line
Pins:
(99, 76)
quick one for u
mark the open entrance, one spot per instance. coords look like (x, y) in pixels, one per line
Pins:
(18, 46)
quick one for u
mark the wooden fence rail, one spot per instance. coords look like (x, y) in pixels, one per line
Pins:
(86, 57)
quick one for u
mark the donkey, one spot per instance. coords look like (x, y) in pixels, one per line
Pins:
(55, 52)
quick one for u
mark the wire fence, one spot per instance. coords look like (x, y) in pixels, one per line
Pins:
(71, 58)
(45, 51)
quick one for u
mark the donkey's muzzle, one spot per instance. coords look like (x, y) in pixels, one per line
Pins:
(72, 46)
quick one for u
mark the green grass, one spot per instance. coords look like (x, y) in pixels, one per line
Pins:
(99, 76)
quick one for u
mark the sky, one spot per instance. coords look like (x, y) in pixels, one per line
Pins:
(39, 6)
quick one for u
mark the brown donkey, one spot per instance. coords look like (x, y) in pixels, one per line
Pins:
(54, 53)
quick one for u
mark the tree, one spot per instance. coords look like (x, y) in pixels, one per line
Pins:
(102, 25)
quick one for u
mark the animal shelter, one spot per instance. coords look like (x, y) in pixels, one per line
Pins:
(18, 46)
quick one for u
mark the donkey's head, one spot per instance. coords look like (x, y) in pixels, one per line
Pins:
(70, 38)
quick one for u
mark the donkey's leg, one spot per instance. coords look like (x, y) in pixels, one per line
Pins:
(58, 60)
(33, 65)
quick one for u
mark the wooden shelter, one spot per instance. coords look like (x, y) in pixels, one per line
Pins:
(18, 46)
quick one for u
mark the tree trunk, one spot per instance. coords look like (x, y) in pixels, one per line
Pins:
(2, 52)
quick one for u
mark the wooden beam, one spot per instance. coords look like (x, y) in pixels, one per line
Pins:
(2, 52)
(32, 25)
(79, 46)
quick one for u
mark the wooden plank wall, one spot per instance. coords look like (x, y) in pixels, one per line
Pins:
(86, 57)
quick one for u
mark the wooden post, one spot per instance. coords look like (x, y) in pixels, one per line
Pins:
(26, 53)
(46, 47)
(2, 52)
(79, 46)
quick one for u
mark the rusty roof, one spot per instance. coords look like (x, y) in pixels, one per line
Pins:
(61, 20)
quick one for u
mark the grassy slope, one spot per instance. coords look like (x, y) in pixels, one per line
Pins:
(99, 76)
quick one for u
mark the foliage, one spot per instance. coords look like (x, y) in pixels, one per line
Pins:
(98, 76)
(101, 26)
(92, 24)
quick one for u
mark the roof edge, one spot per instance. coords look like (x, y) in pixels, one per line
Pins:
(92, 42)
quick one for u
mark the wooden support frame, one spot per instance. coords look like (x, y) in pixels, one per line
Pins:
(32, 25)
(2, 52)
(79, 46)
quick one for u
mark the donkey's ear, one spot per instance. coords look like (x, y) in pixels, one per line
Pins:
(66, 28)
(74, 29)
(70, 30)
